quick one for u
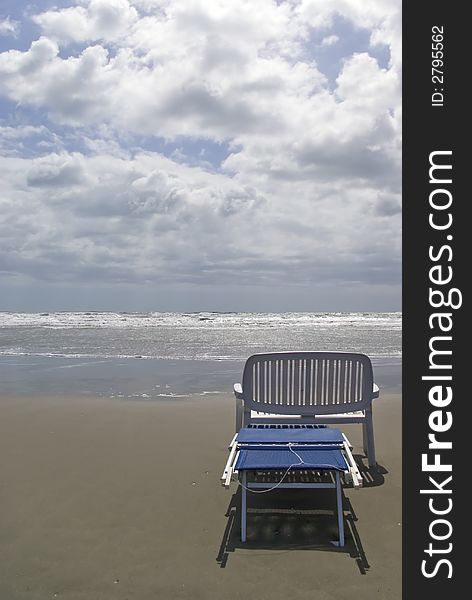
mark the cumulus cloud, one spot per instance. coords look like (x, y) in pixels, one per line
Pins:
(23, 140)
(211, 69)
(152, 219)
(137, 215)
(329, 40)
(98, 20)
(9, 27)
(308, 189)
(55, 171)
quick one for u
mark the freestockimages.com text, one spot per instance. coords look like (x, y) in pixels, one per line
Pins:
(443, 300)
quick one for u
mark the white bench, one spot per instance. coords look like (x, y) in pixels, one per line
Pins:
(296, 388)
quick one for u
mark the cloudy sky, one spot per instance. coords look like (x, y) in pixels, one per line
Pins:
(200, 154)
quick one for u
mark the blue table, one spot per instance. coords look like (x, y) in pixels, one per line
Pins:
(288, 450)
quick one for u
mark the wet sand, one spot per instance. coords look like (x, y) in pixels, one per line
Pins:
(112, 498)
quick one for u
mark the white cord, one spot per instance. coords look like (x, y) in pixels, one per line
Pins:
(302, 462)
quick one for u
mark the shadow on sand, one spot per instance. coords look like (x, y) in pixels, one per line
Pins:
(298, 519)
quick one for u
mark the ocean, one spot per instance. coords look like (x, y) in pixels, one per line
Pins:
(173, 355)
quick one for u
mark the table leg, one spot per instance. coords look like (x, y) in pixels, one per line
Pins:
(339, 502)
(243, 507)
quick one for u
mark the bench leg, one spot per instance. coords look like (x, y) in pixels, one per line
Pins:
(368, 438)
(239, 414)
(243, 507)
(339, 504)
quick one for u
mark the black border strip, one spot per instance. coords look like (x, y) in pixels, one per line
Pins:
(435, 124)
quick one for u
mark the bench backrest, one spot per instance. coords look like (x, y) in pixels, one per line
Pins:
(307, 382)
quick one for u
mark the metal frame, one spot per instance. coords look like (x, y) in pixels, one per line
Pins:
(335, 485)
(352, 474)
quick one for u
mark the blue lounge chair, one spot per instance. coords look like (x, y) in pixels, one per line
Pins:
(317, 451)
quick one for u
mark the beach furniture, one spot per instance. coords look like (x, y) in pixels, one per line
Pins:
(267, 457)
(308, 387)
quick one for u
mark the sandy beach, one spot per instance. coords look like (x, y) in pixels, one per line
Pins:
(109, 498)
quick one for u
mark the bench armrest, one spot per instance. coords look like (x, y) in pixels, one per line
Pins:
(238, 393)
(375, 391)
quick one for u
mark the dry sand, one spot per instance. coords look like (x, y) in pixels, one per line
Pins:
(106, 498)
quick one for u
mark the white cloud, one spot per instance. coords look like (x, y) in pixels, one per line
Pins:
(75, 90)
(98, 20)
(148, 218)
(9, 27)
(210, 69)
(142, 218)
(312, 171)
(382, 17)
(330, 40)
(22, 131)
(24, 139)
(56, 170)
